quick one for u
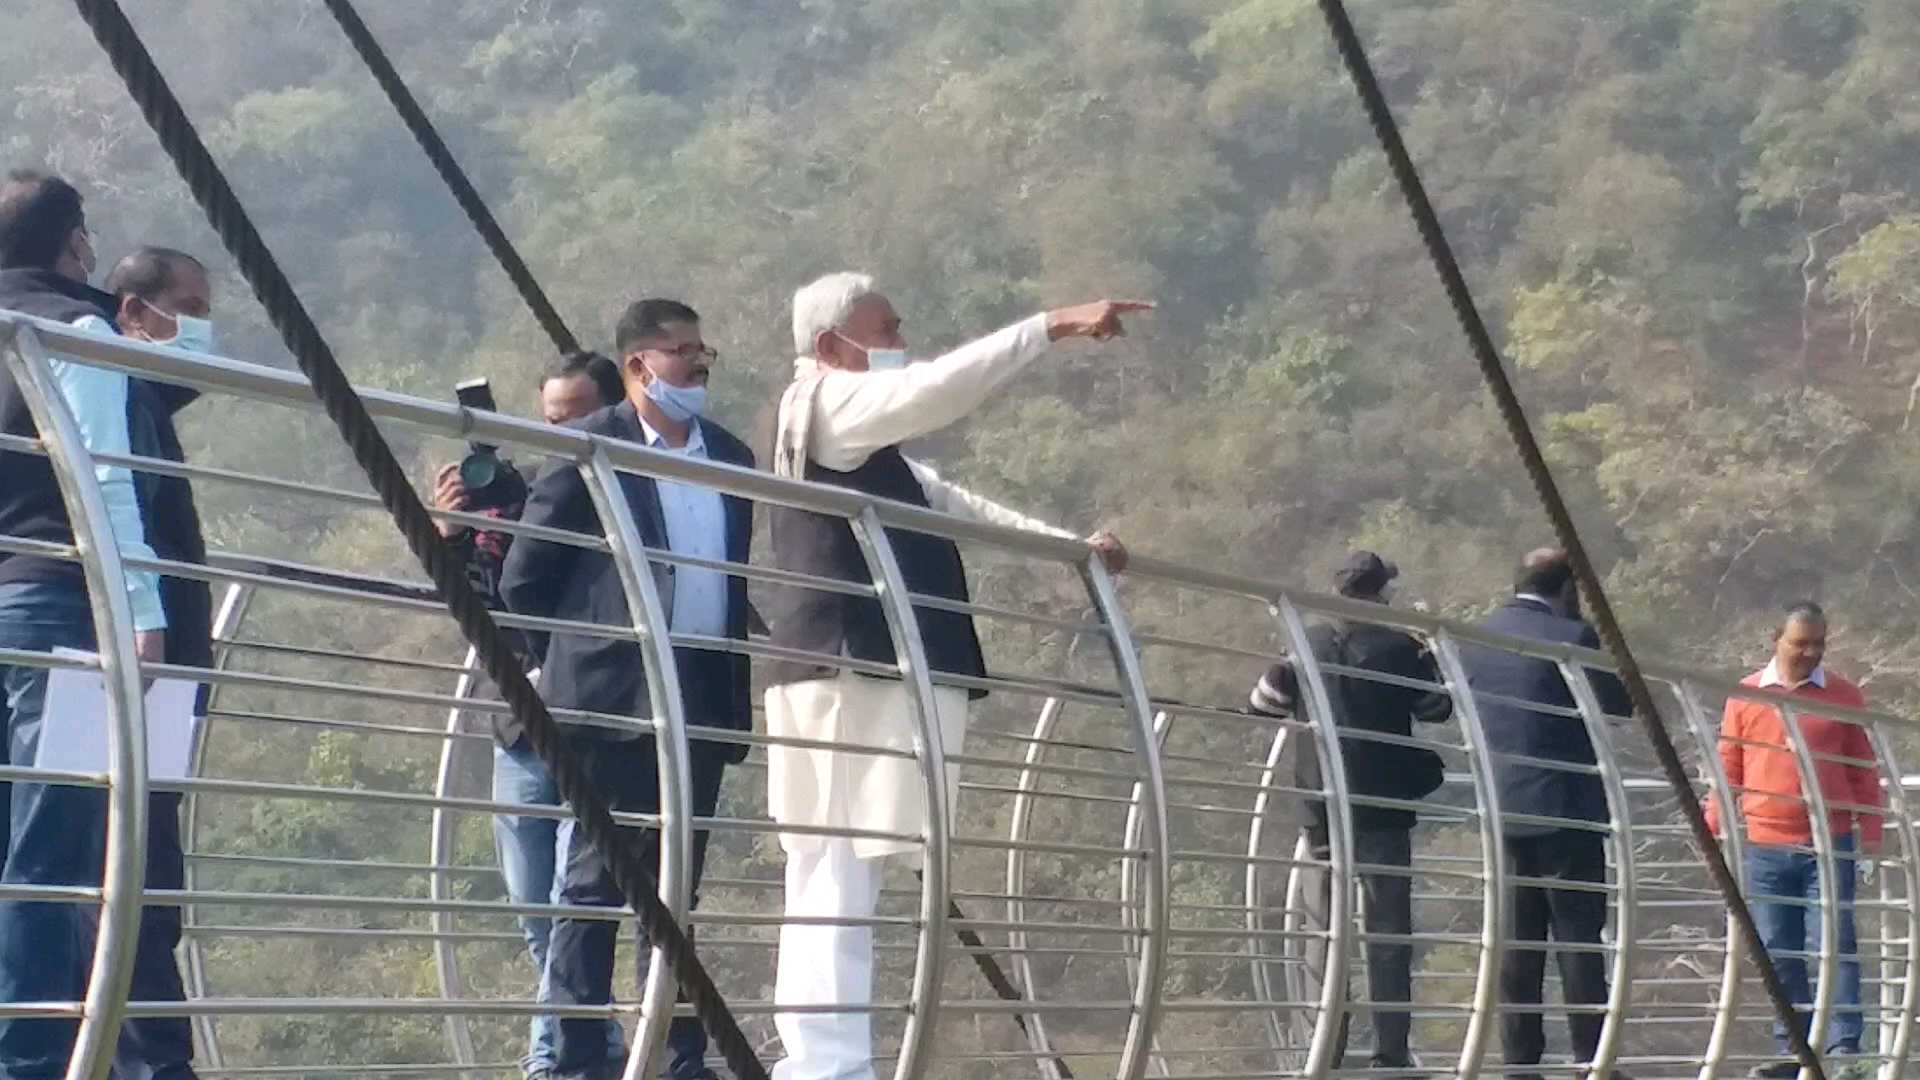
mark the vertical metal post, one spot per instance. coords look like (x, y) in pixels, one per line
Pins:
(111, 974)
(440, 851)
(1333, 983)
(1022, 817)
(1627, 897)
(1493, 930)
(1157, 888)
(1819, 827)
(1301, 1021)
(226, 627)
(1733, 835)
(1896, 1044)
(1274, 1019)
(930, 751)
(650, 622)
(1131, 867)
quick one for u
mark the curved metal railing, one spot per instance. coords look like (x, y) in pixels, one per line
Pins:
(1117, 827)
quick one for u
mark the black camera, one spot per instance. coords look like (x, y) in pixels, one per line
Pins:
(491, 481)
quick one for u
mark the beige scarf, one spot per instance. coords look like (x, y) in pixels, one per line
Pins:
(793, 424)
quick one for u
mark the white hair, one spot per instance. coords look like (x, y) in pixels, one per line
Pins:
(825, 305)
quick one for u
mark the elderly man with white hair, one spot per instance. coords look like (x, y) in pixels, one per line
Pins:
(854, 399)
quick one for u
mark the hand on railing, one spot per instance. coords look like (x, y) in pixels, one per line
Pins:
(150, 646)
(1113, 553)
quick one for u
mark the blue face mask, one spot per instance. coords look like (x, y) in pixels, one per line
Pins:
(878, 359)
(193, 335)
(680, 403)
(886, 359)
(190, 334)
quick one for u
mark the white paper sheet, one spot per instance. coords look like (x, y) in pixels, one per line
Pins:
(73, 724)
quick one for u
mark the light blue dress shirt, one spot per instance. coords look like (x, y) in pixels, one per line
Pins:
(696, 521)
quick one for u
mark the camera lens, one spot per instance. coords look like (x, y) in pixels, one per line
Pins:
(478, 471)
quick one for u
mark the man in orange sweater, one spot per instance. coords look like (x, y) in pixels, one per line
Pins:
(1757, 750)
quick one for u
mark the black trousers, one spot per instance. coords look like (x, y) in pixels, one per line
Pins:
(580, 951)
(1570, 917)
(1388, 909)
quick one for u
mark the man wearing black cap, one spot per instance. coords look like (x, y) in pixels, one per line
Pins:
(1376, 771)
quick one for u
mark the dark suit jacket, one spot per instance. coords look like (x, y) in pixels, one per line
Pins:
(561, 581)
(1512, 729)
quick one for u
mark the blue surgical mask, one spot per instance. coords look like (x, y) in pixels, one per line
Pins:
(878, 359)
(193, 335)
(680, 403)
(190, 334)
(886, 359)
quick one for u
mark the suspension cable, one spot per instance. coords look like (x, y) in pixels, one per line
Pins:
(1380, 115)
(444, 163)
(453, 175)
(243, 242)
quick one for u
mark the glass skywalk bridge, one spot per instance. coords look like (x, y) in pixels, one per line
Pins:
(1124, 836)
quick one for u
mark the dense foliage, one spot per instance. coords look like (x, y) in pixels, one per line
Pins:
(1690, 221)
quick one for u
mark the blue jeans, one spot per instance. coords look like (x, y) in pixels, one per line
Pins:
(57, 836)
(529, 848)
(580, 965)
(1788, 873)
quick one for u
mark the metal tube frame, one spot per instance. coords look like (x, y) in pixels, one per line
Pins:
(903, 625)
(1733, 834)
(1130, 871)
(110, 977)
(1486, 988)
(226, 627)
(1895, 1045)
(1021, 817)
(1339, 811)
(1274, 1020)
(1156, 891)
(1626, 895)
(1819, 828)
(1146, 845)
(651, 621)
(446, 954)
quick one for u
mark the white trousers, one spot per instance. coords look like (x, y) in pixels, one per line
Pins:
(827, 965)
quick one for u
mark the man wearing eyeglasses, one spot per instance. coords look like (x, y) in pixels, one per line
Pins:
(665, 365)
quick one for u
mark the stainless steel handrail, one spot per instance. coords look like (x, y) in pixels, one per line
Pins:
(1183, 941)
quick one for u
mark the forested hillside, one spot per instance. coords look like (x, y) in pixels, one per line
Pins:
(1691, 222)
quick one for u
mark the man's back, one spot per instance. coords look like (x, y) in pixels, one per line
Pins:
(1360, 704)
(1514, 729)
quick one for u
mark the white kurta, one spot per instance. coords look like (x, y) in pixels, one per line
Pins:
(839, 419)
(849, 416)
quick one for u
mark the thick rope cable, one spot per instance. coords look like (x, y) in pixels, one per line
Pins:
(381, 67)
(1380, 115)
(455, 177)
(622, 847)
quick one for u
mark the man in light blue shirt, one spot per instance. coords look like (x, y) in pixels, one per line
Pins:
(58, 831)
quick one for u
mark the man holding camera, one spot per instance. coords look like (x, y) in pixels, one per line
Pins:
(665, 365)
(1376, 770)
(526, 845)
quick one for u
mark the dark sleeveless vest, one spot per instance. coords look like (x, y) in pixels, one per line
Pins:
(836, 624)
(30, 501)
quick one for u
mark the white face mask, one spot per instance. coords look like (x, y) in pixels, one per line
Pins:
(886, 359)
(190, 334)
(878, 359)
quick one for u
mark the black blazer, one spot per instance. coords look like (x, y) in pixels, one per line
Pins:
(561, 581)
(1511, 729)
